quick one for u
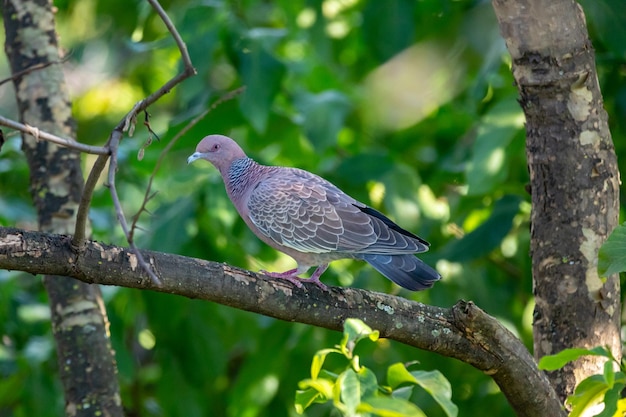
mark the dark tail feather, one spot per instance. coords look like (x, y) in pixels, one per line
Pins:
(407, 271)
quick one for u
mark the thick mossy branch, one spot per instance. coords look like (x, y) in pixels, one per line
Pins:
(463, 332)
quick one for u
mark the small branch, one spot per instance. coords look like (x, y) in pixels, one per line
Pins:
(149, 194)
(40, 134)
(114, 143)
(187, 72)
(30, 69)
(85, 201)
(177, 38)
(464, 332)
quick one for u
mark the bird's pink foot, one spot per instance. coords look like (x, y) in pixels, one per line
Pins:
(292, 276)
(315, 277)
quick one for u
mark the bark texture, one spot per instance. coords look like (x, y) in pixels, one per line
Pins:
(574, 180)
(463, 332)
(80, 326)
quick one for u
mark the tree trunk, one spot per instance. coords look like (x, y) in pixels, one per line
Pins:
(79, 323)
(574, 180)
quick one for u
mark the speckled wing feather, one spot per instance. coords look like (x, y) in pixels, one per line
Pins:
(304, 212)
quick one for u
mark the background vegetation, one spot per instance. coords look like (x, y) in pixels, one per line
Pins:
(406, 105)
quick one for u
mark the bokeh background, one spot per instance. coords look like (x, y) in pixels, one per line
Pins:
(407, 105)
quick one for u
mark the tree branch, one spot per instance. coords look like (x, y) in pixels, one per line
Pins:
(463, 332)
(40, 134)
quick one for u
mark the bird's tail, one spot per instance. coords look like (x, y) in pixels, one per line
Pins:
(407, 271)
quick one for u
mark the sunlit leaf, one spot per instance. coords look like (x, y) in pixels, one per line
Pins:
(397, 374)
(611, 402)
(558, 360)
(304, 398)
(323, 386)
(588, 393)
(390, 407)
(355, 330)
(318, 361)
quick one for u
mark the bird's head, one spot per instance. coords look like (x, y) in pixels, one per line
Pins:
(219, 150)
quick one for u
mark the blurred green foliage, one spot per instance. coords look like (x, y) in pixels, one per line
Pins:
(407, 105)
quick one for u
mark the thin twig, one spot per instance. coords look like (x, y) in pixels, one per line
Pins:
(149, 194)
(114, 142)
(35, 67)
(85, 200)
(127, 124)
(40, 134)
(182, 47)
(188, 71)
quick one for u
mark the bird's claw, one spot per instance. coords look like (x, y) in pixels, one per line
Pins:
(294, 279)
(288, 275)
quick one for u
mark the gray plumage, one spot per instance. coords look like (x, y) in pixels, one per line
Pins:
(313, 221)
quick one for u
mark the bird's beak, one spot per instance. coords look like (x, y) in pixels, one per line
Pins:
(193, 157)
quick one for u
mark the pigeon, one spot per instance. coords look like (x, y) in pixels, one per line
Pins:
(313, 221)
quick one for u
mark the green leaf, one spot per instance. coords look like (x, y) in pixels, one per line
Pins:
(611, 401)
(323, 386)
(587, 394)
(609, 373)
(612, 254)
(397, 374)
(386, 24)
(488, 167)
(324, 116)
(488, 235)
(439, 387)
(432, 382)
(11, 387)
(358, 169)
(390, 407)
(558, 360)
(369, 382)
(348, 391)
(304, 398)
(318, 361)
(262, 75)
(355, 330)
(620, 378)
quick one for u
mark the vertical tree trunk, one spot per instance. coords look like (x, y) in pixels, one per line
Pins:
(574, 179)
(80, 326)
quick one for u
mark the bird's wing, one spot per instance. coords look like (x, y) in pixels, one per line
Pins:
(304, 212)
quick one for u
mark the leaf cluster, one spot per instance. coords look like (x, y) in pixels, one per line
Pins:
(598, 395)
(355, 391)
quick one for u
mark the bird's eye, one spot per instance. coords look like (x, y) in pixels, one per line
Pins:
(215, 147)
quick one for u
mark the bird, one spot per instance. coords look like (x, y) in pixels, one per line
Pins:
(312, 220)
